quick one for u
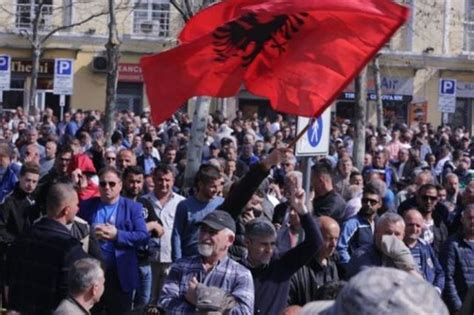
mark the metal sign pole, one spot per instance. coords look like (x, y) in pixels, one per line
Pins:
(62, 103)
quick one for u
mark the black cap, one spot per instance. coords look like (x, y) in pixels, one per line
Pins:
(219, 220)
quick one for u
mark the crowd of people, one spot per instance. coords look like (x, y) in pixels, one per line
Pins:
(88, 227)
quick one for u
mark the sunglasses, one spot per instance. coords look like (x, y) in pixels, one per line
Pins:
(110, 158)
(432, 198)
(369, 201)
(104, 184)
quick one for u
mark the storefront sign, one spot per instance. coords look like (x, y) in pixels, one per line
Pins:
(25, 66)
(63, 76)
(130, 72)
(465, 89)
(5, 72)
(350, 96)
(389, 86)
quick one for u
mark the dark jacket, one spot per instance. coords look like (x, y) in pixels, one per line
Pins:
(430, 266)
(272, 281)
(331, 204)
(457, 259)
(37, 266)
(17, 213)
(305, 283)
(141, 161)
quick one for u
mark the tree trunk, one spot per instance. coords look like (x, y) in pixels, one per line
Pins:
(378, 92)
(113, 49)
(196, 141)
(360, 118)
(30, 106)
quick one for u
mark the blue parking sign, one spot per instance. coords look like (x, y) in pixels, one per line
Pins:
(447, 87)
(63, 76)
(4, 63)
(63, 67)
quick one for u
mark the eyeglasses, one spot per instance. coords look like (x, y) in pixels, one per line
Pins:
(104, 184)
(370, 201)
(432, 198)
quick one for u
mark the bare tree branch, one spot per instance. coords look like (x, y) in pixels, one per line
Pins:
(188, 8)
(180, 10)
(64, 27)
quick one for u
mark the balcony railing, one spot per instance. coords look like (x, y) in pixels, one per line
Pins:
(152, 20)
(25, 15)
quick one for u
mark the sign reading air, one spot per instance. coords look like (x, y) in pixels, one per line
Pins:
(63, 76)
(5, 72)
(315, 140)
(447, 96)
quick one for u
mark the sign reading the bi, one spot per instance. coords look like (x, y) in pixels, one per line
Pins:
(5, 72)
(316, 139)
(63, 76)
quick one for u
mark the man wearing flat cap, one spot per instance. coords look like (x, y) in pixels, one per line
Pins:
(211, 281)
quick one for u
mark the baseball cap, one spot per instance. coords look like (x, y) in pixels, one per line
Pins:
(219, 220)
(380, 290)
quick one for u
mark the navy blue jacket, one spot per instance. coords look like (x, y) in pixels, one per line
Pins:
(457, 259)
(356, 232)
(430, 266)
(272, 281)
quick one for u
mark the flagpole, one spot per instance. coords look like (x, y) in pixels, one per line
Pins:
(298, 136)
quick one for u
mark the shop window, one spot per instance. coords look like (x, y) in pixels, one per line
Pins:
(151, 18)
(130, 97)
(469, 26)
(27, 10)
(462, 115)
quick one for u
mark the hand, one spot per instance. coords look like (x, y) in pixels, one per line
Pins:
(154, 226)
(106, 232)
(247, 216)
(275, 157)
(298, 201)
(78, 178)
(275, 189)
(191, 294)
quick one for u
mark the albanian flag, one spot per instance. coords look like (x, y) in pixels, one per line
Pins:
(300, 54)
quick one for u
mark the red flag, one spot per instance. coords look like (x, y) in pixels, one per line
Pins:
(299, 54)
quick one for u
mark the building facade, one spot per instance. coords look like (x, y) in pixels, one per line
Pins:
(144, 27)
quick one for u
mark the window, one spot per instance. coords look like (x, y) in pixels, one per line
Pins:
(26, 11)
(151, 18)
(469, 26)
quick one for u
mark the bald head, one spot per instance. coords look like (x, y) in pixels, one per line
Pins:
(62, 203)
(413, 214)
(328, 224)
(330, 231)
